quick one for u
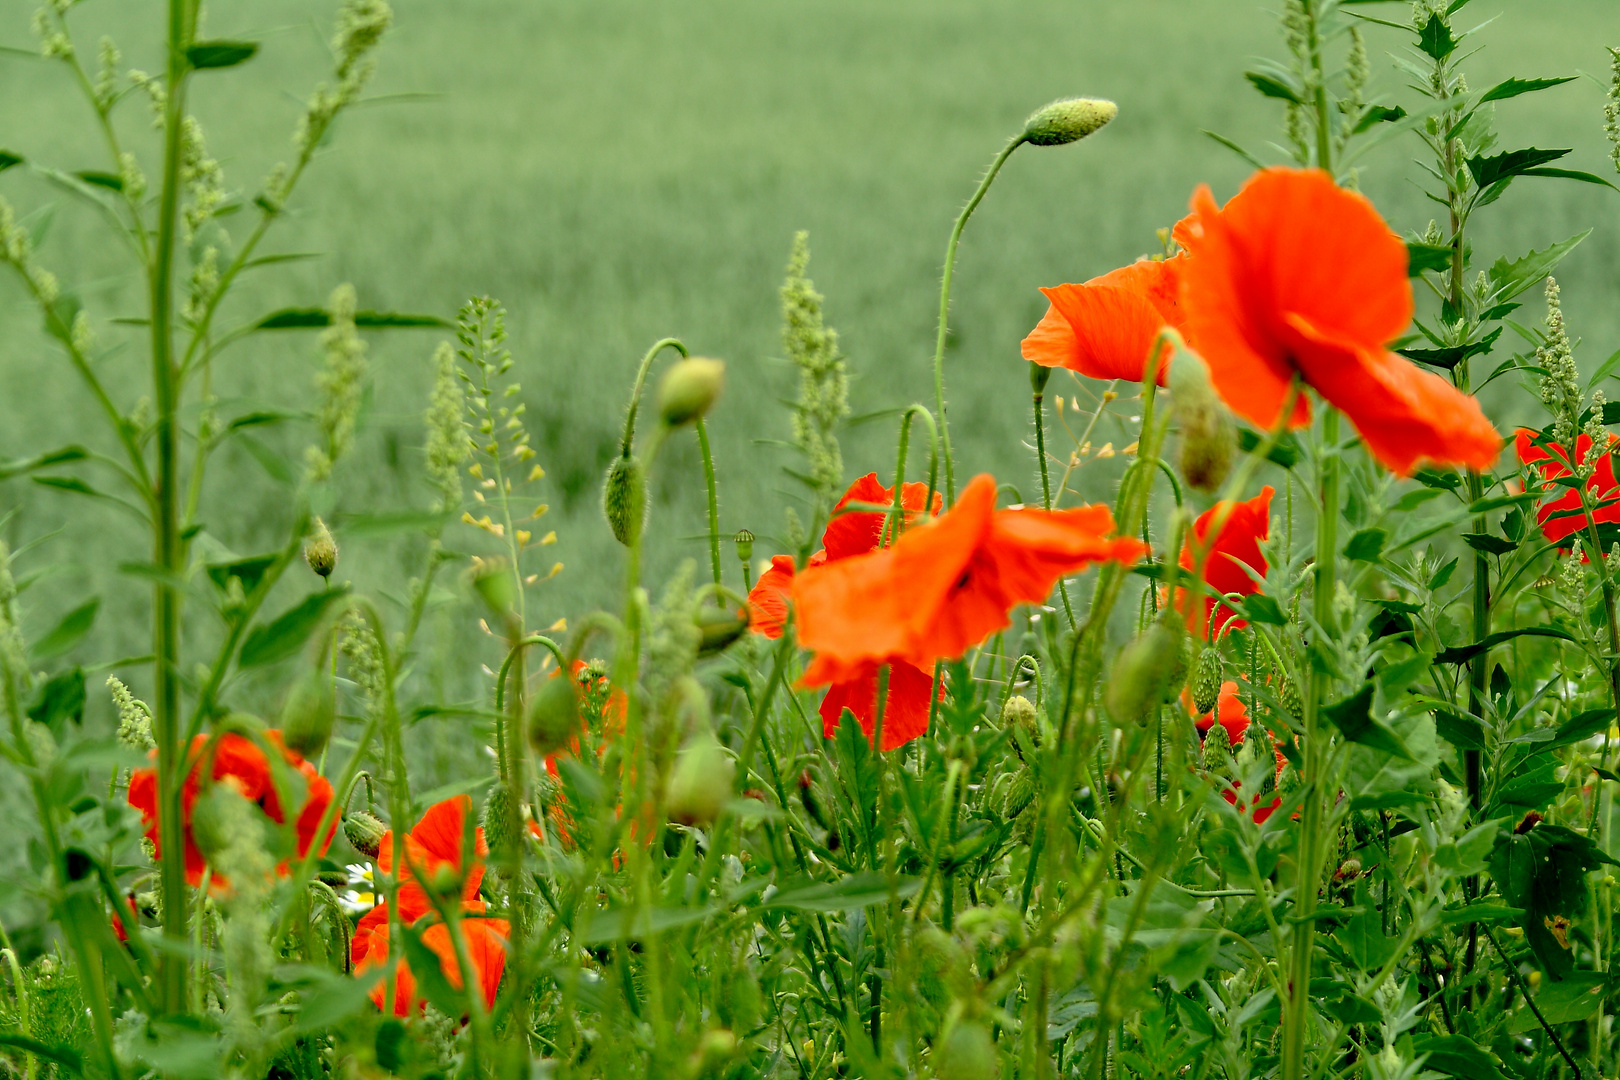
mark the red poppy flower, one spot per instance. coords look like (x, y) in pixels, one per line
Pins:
(1105, 328)
(1233, 717)
(119, 930)
(438, 842)
(857, 532)
(1562, 517)
(1296, 274)
(602, 708)
(238, 761)
(1237, 547)
(945, 586)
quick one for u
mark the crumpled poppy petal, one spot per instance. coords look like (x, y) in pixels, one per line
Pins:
(857, 532)
(1235, 552)
(768, 600)
(905, 715)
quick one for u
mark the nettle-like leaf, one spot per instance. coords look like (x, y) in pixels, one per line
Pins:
(1543, 870)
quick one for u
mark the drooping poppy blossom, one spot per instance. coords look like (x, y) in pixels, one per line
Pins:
(1233, 717)
(1297, 275)
(1562, 517)
(238, 761)
(437, 844)
(1236, 547)
(1105, 328)
(945, 586)
(850, 534)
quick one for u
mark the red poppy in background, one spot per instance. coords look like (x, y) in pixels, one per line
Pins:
(857, 532)
(603, 709)
(1297, 275)
(438, 842)
(1105, 328)
(238, 761)
(1553, 462)
(1233, 717)
(946, 586)
(1237, 547)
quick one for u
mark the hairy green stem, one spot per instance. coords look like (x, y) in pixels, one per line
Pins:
(714, 498)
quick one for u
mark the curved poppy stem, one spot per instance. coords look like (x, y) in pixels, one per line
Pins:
(714, 498)
(945, 308)
(1037, 381)
(641, 381)
(896, 521)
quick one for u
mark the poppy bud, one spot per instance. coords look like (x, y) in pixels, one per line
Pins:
(718, 628)
(554, 718)
(497, 813)
(1067, 120)
(689, 390)
(209, 828)
(1288, 697)
(1019, 795)
(321, 551)
(364, 832)
(700, 783)
(1208, 437)
(745, 545)
(942, 967)
(1207, 678)
(308, 713)
(1148, 672)
(624, 499)
(1039, 375)
(1217, 749)
(968, 1053)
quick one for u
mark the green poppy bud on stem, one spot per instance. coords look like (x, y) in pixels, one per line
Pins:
(1208, 436)
(968, 1053)
(1068, 119)
(308, 713)
(554, 717)
(1020, 712)
(497, 814)
(1148, 672)
(321, 551)
(690, 389)
(364, 832)
(719, 627)
(700, 783)
(624, 499)
(1207, 679)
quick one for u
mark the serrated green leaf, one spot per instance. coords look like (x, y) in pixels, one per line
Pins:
(1489, 543)
(1366, 545)
(1354, 719)
(69, 632)
(1260, 608)
(1435, 38)
(1509, 279)
(1421, 257)
(277, 640)
(1514, 87)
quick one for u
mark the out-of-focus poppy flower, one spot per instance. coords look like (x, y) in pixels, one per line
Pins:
(945, 586)
(602, 707)
(437, 844)
(1295, 274)
(238, 761)
(1233, 717)
(850, 534)
(1105, 328)
(1562, 517)
(1236, 547)
(119, 929)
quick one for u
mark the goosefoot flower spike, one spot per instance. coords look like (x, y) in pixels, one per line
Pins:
(1296, 276)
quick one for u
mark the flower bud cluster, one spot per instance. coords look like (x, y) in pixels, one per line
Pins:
(340, 385)
(446, 420)
(1611, 110)
(812, 347)
(1561, 386)
(202, 178)
(134, 718)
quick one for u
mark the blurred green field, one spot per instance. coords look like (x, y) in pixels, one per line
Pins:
(621, 170)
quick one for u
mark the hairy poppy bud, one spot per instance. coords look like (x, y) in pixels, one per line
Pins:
(1288, 697)
(700, 783)
(624, 499)
(1067, 120)
(364, 832)
(968, 1053)
(210, 820)
(942, 967)
(745, 545)
(1207, 678)
(1208, 437)
(719, 627)
(1217, 749)
(1020, 712)
(689, 390)
(308, 713)
(1149, 672)
(1019, 795)
(498, 808)
(554, 717)
(321, 551)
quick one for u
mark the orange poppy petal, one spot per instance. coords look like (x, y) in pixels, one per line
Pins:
(768, 600)
(1114, 330)
(1052, 343)
(905, 715)
(1404, 414)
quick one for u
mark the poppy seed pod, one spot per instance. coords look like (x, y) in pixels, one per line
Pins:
(321, 551)
(1207, 676)
(719, 627)
(1208, 436)
(308, 713)
(745, 545)
(968, 1053)
(700, 783)
(1067, 120)
(364, 832)
(1148, 672)
(554, 717)
(689, 390)
(624, 499)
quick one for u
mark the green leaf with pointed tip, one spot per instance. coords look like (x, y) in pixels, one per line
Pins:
(1435, 38)
(1514, 87)
(1273, 87)
(8, 159)
(63, 456)
(208, 55)
(1353, 717)
(318, 318)
(1509, 279)
(277, 640)
(69, 632)
(1489, 170)
(1421, 257)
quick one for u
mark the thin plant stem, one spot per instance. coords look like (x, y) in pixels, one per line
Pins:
(714, 498)
(1039, 396)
